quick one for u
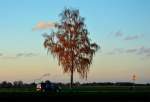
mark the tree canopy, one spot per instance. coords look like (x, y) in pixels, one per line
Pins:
(70, 44)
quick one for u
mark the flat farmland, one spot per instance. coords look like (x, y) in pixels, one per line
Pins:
(80, 92)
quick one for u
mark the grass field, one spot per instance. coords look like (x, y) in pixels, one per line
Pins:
(102, 92)
(86, 89)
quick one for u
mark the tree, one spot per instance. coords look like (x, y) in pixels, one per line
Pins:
(70, 44)
(18, 84)
(5, 84)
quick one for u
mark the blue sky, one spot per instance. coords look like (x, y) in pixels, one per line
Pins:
(120, 27)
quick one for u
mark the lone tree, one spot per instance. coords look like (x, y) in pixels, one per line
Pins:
(70, 44)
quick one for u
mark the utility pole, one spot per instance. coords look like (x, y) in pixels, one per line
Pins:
(133, 79)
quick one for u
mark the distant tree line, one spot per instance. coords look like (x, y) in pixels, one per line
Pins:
(16, 84)
(104, 84)
(114, 84)
(21, 84)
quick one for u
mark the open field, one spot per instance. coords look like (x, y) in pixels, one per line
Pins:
(84, 92)
(86, 89)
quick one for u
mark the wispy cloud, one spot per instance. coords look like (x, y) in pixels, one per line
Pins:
(111, 53)
(25, 54)
(118, 34)
(119, 50)
(141, 51)
(131, 50)
(1, 54)
(144, 50)
(44, 25)
(9, 57)
(148, 55)
(134, 37)
(116, 51)
(19, 55)
(46, 74)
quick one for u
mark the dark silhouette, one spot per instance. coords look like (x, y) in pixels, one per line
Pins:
(70, 44)
(47, 86)
(6, 84)
(18, 83)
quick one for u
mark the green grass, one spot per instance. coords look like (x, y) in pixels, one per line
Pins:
(108, 89)
(83, 92)
(86, 90)
(10, 90)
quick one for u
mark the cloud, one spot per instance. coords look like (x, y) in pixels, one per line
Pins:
(118, 34)
(134, 37)
(116, 51)
(25, 54)
(144, 50)
(119, 50)
(1, 54)
(148, 55)
(111, 53)
(131, 50)
(19, 55)
(140, 51)
(30, 54)
(9, 57)
(44, 25)
(46, 74)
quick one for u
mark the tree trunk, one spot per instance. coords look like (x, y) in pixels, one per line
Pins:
(71, 80)
(71, 83)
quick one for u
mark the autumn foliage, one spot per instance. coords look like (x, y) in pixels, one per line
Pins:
(69, 43)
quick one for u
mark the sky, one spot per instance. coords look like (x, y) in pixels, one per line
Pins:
(120, 27)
